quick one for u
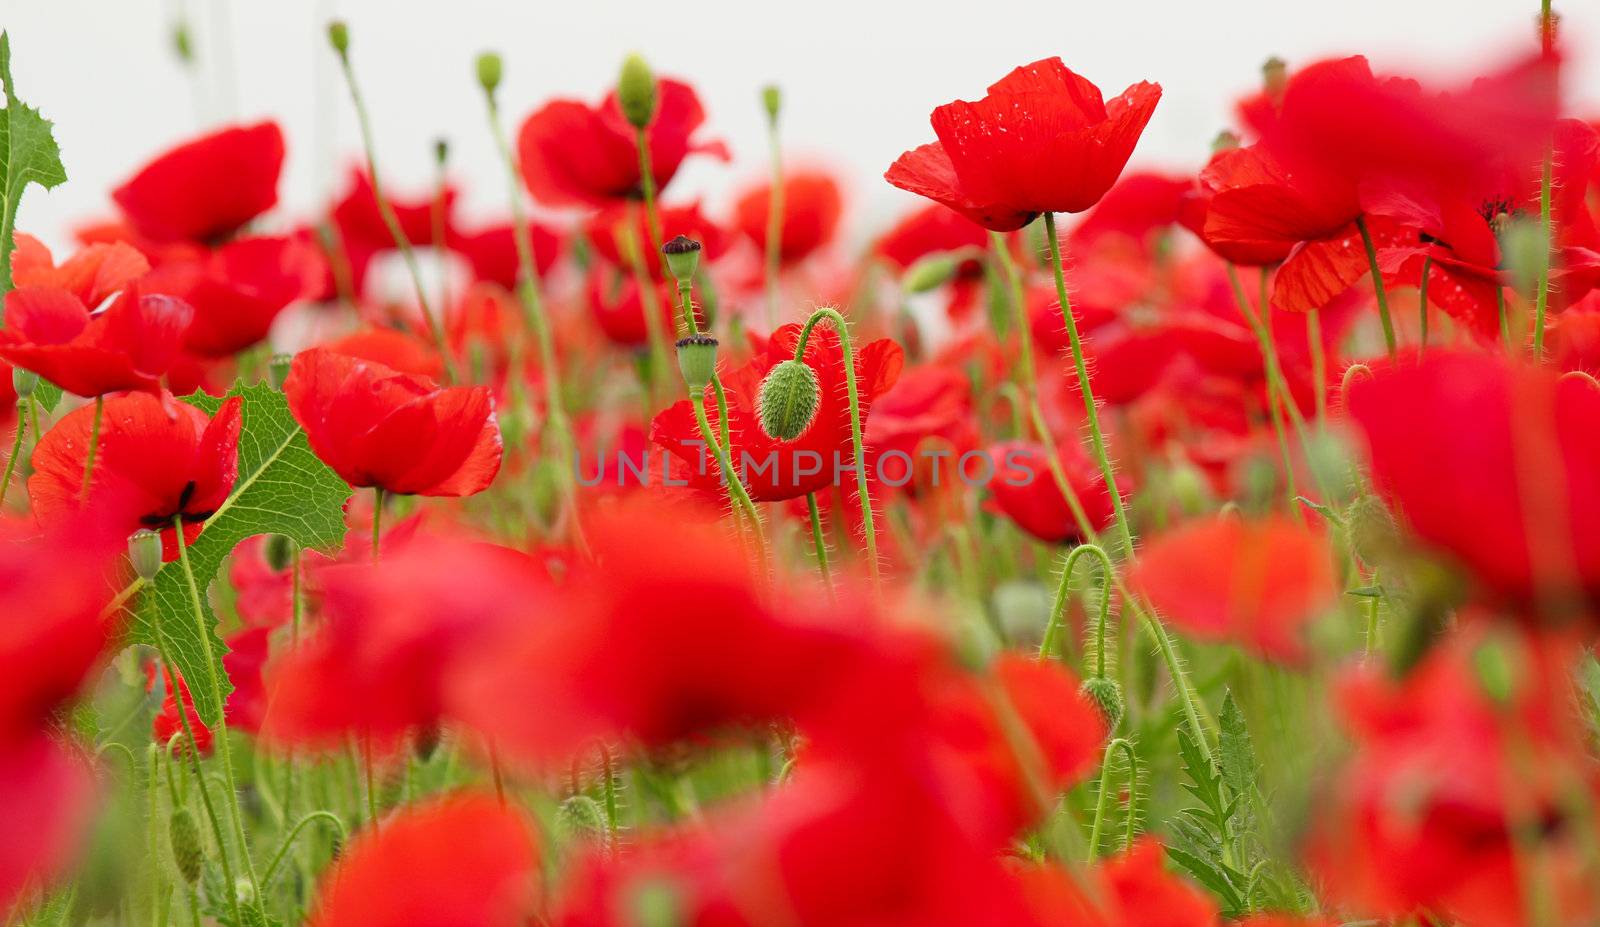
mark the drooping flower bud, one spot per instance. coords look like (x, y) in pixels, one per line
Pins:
(580, 817)
(1107, 696)
(683, 257)
(787, 403)
(184, 835)
(697, 361)
(490, 69)
(24, 382)
(930, 273)
(636, 92)
(772, 102)
(144, 552)
(339, 37)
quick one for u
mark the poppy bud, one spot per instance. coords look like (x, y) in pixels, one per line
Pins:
(278, 370)
(581, 816)
(441, 151)
(930, 273)
(24, 382)
(144, 552)
(1274, 76)
(339, 37)
(1226, 140)
(636, 92)
(184, 835)
(683, 257)
(181, 43)
(1107, 696)
(697, 361)
(772, 101)
(490, 69)
(788, 401)
(278, 550)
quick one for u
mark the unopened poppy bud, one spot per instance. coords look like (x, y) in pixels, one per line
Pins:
(278, 369)
(1274, 76)
(144, 552)
(1107, 696)
(1226, 140)
(697, 361)
(581, 816)
(490, 69)
(772, 101)
(683, 257)
(636, 92)
(930, 273)
(181, 44)
(24, 382)
(441, 151)
(787, 403)
(278, 550)
(184, 835)
(339, 37)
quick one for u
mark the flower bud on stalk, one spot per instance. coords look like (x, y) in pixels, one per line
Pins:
(1107, 696)
(184, 835)
(581, 816)
(339, 37)
(772, 102)
(24, 382)
(144, 552)
(697, 361)
(636, 92)
(788, 401)
(930, 273)
(490, 70)
(683, 257)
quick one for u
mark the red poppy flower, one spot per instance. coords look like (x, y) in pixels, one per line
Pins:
(246, 706)
(402, 433)
(128, 346)
(239, 289)
(1025, 490)
(1416, 823)
(936, 229)
(91, 274)
(617, 307)
(1253, 583)
(460, 861)
(391, 348)
(812, 203)
(401, 631)
(927, 412)
(775, 470)
(208, 188)
(492, 251)
(157, 460)
(1042, 140)
(1137, 208)
(1491, 463)
(574, 154)
(686, 220)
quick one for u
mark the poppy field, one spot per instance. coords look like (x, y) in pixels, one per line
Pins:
(1084, 545)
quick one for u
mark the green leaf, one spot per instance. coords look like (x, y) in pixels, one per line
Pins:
(1204, 782)
(47, 394)
(28, 154)
(1211, 877)
(282, 489)
(1234, 750)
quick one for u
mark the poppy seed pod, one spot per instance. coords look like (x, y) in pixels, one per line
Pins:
(144, 552)
(339, 37)
(1107, 696)
(772, 101)
(489, 71)
(930, 273)
(787, 404)
(24, 382)
(441, 151)
(697, 361)
(636, 92)
(683, 257)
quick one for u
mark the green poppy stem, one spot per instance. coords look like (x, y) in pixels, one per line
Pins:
(1091, 409)
(647, 188)
(1378, 288)
(818, 541)
(11, 462)
(774, 247)
(1120, 743)
(94, 445)
(1275, 387)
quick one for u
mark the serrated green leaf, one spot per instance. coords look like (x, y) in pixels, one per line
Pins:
(282, 489)
(1211, 877)
(1234, 750)
(28, 154)
(47, 394)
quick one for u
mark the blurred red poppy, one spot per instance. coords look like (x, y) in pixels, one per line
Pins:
(1024, 488)
(812, 204)
(492, 251)
(399, 432)
(239, 289)
(91, 274)
(574, 154)
(686, 220)
(206, 189)
(1131, 890)
(128, 346)
(1042, 140)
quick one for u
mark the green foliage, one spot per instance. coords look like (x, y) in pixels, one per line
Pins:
(28, 154)
(282, 489)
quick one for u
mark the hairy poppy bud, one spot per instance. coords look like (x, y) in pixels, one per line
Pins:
(772, 101)
(636, 92)
(788, 401)
(683, 257)
(184, 835)
(144, 552)
(490, 69)
(339, 37)
(697, 361)
(24, 382)
(581, 816)
(1107, 696)
(278, 369)
(930, 273)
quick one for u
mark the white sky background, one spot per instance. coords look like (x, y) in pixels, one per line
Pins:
(859, 76)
